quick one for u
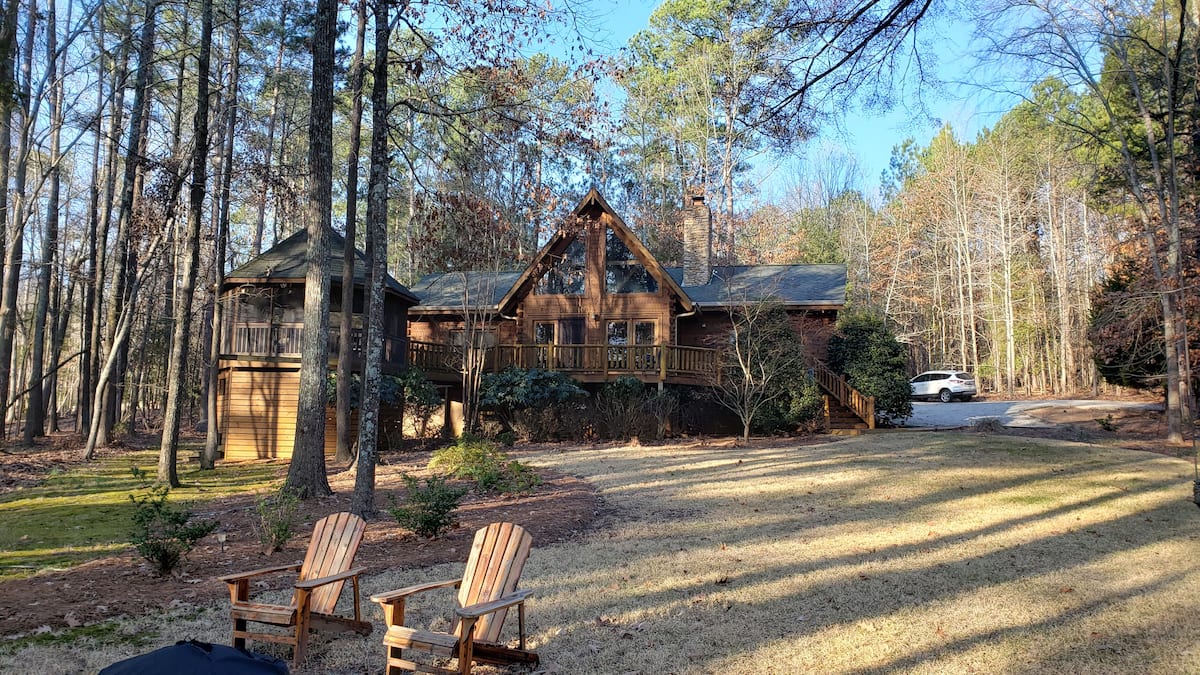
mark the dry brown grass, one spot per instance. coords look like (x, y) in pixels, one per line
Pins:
(894, 552)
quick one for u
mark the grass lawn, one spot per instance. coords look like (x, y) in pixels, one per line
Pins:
(913, 552)
(85, 513)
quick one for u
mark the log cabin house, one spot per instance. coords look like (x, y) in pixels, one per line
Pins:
(596, 304)
(259, 369)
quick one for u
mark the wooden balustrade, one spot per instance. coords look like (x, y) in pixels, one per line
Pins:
(652, 362)
(860, 404)
(283, 339)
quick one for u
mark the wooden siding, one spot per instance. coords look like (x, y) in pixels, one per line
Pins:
(257, 414)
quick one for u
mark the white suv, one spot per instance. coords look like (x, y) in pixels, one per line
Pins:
(944, 385)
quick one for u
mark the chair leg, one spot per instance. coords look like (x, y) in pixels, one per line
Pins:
(299, 652)
(239, 625)
(466, 645)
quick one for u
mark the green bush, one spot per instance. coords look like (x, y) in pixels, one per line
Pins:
(429, 509)
(867, 352)
(799, 409)
(276, 516)
(530, 402)
(163, 533)
(479, 460)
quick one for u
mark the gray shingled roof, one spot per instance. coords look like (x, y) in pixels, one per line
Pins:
(810, 285)
(288, 259)
(445, 291)
(807, 285)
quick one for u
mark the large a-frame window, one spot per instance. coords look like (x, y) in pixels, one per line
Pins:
(623, 272)
(568, 271)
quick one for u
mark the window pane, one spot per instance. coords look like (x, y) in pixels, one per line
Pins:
(643, 333)
(566, 274)
(622, 271)
(543, 333)
(618, 333)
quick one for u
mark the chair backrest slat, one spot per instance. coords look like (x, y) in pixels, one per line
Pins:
(497, 559)
(334, 543)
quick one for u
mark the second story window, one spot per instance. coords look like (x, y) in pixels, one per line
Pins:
(623, 273)
(566, 274)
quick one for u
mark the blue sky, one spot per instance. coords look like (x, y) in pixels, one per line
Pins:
(868, 137)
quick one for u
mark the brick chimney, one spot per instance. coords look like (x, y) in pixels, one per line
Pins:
(697, 242)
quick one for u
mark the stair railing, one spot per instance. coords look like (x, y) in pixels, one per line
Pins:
(860, 404)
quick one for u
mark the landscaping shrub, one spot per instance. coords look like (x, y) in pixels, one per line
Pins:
(661, 407)
(429, 509)
(479, 460)
(619, 405)
(163, 533)
(276, 516)
(800, 408)
(866, 350)
(529, 402)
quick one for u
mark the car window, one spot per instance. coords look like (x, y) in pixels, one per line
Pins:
(964, 376)
(921, 378)
(939, 376)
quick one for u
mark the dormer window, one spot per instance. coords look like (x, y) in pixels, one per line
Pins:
(623, 272)
(568, 271)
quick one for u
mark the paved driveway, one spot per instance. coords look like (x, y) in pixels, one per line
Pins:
(1009, 413)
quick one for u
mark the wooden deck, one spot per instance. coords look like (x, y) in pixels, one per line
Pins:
(669, 364)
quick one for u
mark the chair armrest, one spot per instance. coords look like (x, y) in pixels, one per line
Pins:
(230, 578)
(309, 584)
(392, 596)
(485, 608)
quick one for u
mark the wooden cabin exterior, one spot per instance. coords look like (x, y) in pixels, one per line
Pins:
(595, 304)
(259, 379)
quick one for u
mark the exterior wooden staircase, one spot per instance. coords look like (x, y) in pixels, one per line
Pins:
(848, 411)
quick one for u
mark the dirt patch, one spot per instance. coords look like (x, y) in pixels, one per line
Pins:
(561, 508)
(1138, 429)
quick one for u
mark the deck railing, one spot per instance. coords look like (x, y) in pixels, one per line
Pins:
(654, 362)
(860, 404)
(283, 339)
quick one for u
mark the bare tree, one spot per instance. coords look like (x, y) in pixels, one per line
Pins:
(758, 358)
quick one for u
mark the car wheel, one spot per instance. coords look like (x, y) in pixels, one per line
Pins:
(944, 396)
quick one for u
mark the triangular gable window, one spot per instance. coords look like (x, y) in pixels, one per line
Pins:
(568, 271)
(623, 272)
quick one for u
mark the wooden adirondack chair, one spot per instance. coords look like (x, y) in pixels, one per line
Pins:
(322, 575)
(486, 591)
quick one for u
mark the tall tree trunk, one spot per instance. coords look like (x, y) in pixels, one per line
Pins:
(363, 502)
(98, 246)
(124, 254)
(16, 247)
(208, 459)
(35, 418)
(346, 326)
(8, 39)
(306, 472)
(176, 372)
